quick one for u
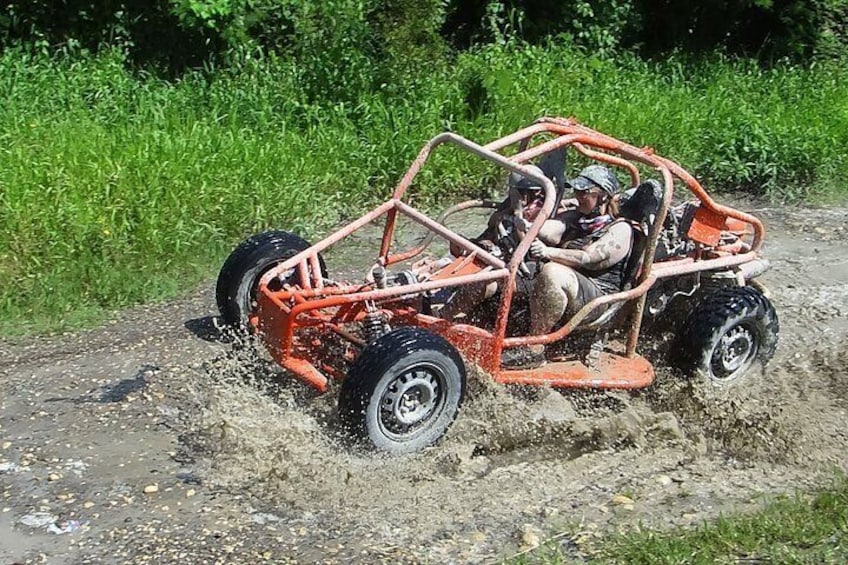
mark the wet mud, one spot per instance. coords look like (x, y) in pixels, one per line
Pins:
(155, 440)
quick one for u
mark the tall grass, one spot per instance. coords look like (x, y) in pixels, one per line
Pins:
(117, 188)
(799, 529)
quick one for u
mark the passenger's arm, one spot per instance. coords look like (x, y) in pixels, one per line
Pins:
(611, 248)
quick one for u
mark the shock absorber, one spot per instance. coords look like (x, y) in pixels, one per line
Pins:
(374, 324)
(379, 274)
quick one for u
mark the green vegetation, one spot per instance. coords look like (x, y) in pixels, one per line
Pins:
(798, 529)
(117, 188)
(176, 34)
(139, 142)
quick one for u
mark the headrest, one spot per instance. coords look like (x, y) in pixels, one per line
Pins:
(644, 204)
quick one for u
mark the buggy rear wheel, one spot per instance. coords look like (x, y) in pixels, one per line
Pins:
(730, 332)
(403, 391)
(239, 276)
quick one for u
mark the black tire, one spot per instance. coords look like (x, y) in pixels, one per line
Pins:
(403, 391)
(730, 332)
(240, 274)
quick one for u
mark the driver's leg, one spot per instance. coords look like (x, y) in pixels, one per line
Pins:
(554, 288)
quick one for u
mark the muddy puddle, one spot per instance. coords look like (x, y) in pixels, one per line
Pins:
(526, 457)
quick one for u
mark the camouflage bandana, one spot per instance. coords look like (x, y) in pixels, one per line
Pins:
(590, 225)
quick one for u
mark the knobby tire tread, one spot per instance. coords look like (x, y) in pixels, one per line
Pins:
(712, 314)
(268, 244)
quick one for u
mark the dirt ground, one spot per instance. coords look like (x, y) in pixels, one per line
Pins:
(151, 440)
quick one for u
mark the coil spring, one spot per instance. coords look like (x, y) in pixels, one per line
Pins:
(374, 325)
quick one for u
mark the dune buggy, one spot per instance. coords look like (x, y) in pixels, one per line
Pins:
(401, 366)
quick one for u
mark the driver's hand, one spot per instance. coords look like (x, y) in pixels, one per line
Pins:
(539, 250)
(456, 250)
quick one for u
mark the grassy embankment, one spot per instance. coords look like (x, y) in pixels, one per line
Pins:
(806, 528)
(115, 189)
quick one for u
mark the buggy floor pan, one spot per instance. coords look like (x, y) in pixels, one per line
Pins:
(610, 371)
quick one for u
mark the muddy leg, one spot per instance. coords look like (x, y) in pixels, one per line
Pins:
(554, 289)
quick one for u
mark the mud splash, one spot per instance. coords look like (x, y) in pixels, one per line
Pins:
(256, 422)
(524, 455)
(537, 451)
(246, 466)
(519, 456)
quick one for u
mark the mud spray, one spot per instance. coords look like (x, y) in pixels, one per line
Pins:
(681, 451)
(515, 455)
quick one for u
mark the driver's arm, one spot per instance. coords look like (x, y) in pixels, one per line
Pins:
(488, 236)
(567, 204)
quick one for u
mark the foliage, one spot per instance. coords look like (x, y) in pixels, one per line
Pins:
(117, 188)
(597, 25)
(382, 38)
(409, 34)
(832, 40)
(770, 29)
(342, 43)
(802, 528)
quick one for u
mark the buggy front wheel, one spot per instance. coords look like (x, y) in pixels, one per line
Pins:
(403, 391)
(239, 277)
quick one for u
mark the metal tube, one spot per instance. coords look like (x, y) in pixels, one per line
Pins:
(395, 291)
(613, 160)
(448, 234)
(580, 316)
(428, 238)
(292, 261)
(648, 261)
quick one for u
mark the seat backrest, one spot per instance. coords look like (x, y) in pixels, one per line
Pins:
(644, 203)
(641, 209)
(553, 165)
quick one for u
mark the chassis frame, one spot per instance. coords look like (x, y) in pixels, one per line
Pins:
(293, 319)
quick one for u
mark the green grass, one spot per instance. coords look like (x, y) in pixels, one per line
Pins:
(796, 529)
(120, 188)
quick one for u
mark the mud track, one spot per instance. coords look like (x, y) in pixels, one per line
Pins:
(151, 440)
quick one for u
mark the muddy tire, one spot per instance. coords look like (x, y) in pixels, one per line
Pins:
(240, 274)
(730, 333)
(403, 391)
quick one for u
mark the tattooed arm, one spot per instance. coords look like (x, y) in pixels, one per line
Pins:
(611, 248)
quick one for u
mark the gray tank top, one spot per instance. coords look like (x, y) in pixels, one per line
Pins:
(610, 279)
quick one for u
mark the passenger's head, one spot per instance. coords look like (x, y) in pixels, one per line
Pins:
(594, 188)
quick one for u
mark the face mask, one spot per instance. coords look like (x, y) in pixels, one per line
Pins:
(533, 208)
(591, 224)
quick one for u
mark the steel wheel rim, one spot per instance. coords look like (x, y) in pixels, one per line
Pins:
(733, 354)
(411, 400)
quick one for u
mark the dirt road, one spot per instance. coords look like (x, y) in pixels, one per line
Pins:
(145, 440)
